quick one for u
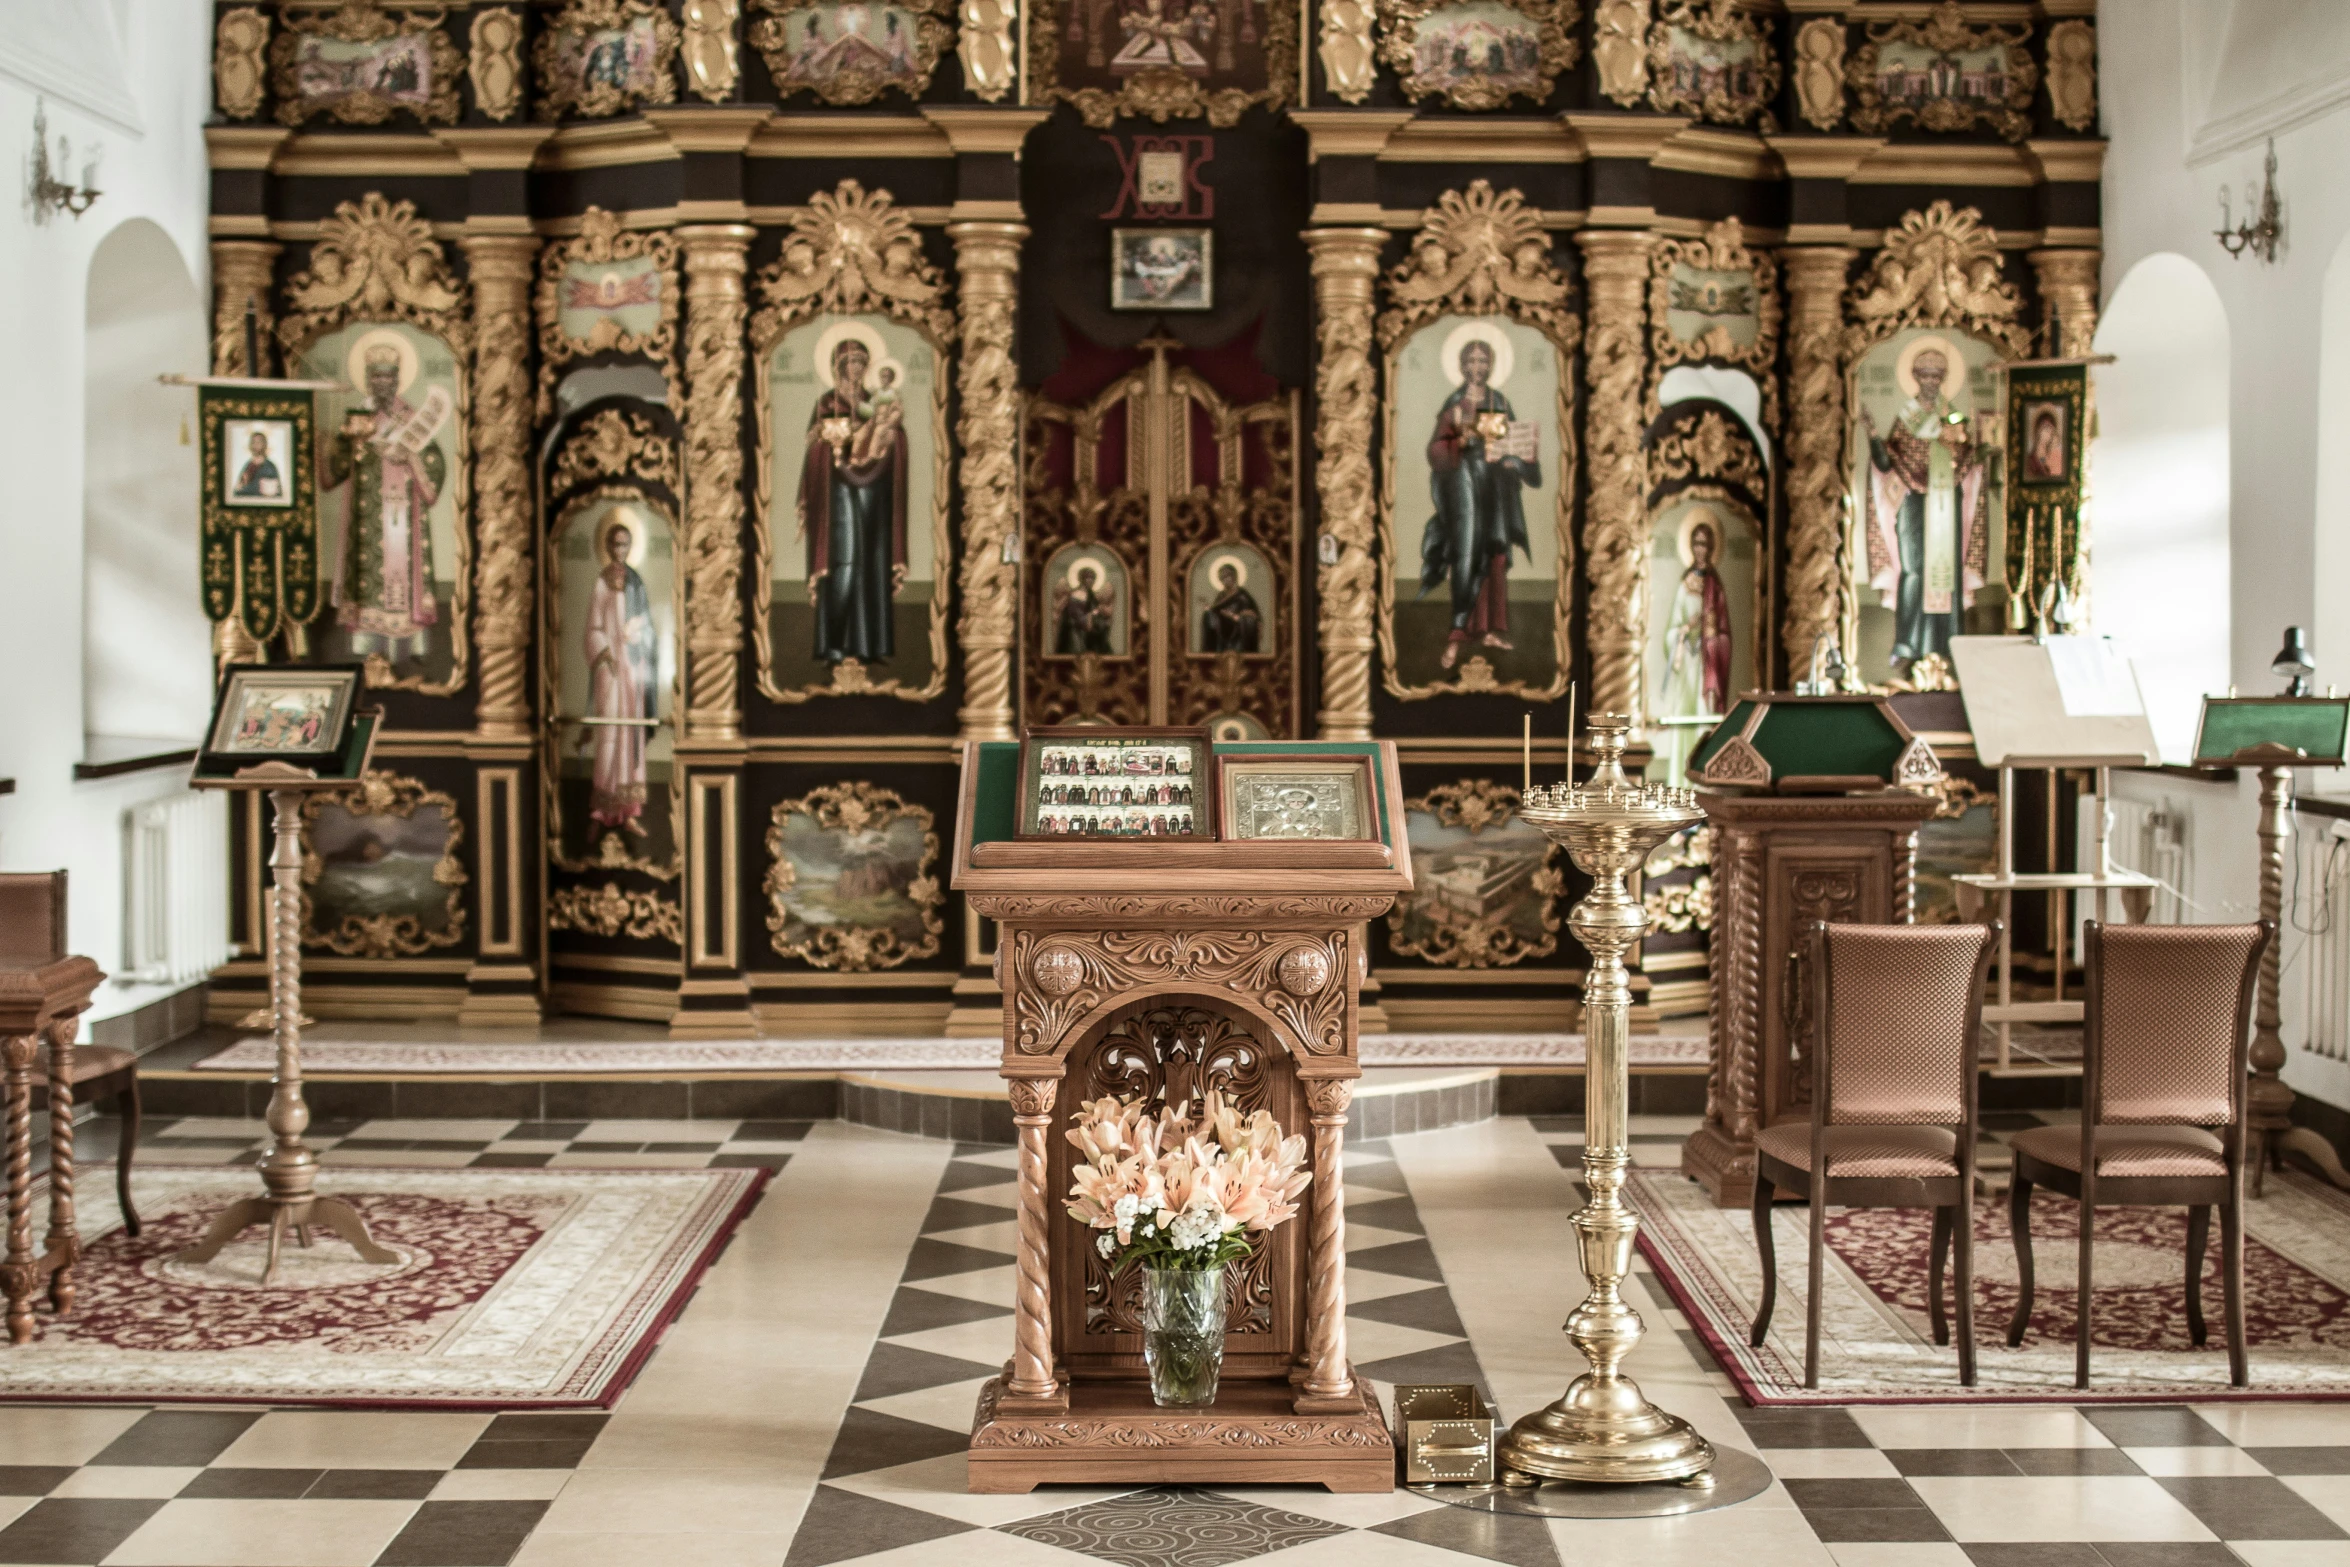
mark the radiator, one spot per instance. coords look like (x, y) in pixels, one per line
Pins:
(178, 888)
(2151, 840)
(2320, 915)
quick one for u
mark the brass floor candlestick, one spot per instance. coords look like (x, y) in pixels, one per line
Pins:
(290, 1172)
(1603, 1427)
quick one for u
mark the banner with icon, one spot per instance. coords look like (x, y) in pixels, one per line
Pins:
(260, 512)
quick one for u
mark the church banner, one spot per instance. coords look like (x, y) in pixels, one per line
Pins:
(260, 506)
(2047, 443)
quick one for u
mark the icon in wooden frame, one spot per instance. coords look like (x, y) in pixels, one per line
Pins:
(299, 714)
(1296, 796)
(1093, 782)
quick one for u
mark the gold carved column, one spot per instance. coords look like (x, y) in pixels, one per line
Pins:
(243, 273)
(987, 265)
(716, 255)
(1615, 276)
(1815, 446)
(1346, 401)
(2068, 291)
(501, 266)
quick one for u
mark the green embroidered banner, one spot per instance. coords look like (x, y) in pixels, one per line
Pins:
(2047, 452)
(260, 506)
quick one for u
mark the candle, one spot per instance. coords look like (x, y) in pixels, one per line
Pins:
(1528, 786)
(1570, 734)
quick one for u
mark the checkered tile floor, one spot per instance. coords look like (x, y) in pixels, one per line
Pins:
(811, 1407)
(479, 1144)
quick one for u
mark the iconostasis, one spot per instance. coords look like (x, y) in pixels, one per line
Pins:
(738, 404)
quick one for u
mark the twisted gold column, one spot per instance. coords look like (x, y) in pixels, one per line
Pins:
(716, 255)
(1815, 447)
(1329, 1383)
(1032, 1384)
(987, 266)
(501, 266)
(2068, 289)
(1615, 518)
(1346, 271)
(243, 273)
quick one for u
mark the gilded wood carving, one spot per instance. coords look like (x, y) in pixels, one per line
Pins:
(505, 523)
(987, 261)
(2072, 74)
(713, 62)
(1713, 61)
(1479, 255)
(1714, 301)
(1819, 72)
(1350, 60)
(1706, 445)
(239, 46)
(375, 261)
(381, 876)
(607, 292)
(494, 59)
(1088, 53)
(716, 310)
(986, 48)
(596, 58)
(1615, 508)
(361, 63)
(1619, 47)
(849, 254)
(608, 911)
(614, 444)
(1346, 414)
(1486, 884)
(1442, 48)
(1943, 75)
(812, 46)
(1811, 570)
(852, 880)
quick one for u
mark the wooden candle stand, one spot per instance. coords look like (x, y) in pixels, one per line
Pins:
(1162, 970)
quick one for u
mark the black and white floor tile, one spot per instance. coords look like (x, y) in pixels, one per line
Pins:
(812, 1404)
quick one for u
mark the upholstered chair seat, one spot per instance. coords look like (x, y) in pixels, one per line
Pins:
(2129, 1150)
(1868, 1152)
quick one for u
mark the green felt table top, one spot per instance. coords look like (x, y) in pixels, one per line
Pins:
(1840, 739)
(2314, 725)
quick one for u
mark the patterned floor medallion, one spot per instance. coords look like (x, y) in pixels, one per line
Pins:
(1174, 1528)
(529, 1288)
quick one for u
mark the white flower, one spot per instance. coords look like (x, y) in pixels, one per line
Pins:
(1107, 1244)
(1197, 1227)
(1125, 1209)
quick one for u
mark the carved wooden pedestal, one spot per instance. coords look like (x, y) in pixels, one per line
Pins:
(1179, 968)
(1781, 861)
(36, 1005)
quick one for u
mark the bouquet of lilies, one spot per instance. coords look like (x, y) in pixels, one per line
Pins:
(1172, 1191)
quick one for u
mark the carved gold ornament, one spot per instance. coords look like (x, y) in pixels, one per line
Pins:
(565, 90)
(1706, 445)
(854, 810)
(495, 48)
(1555, 51)
(1159, 93)
(1619, 47)
(710, 556)
(713, 63)
(1480, 938)
(239, 44)
(1819, 72)
(1945, 31)
(376, 260)
(986, 48)
(601, 240)
(850, 253)
(1719, 22)
(987, 382)
(1723, 249)
(1684, 906)
(365, 22)
(615, 444)
(854, 83)
(384, 935)
(607, 911)
(1350, 61)
(1938, 268)
(2072, 74)
(615, 848)
(1479, 254)
(1346, 407)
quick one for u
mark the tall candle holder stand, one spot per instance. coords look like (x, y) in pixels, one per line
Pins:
(1603, 1428)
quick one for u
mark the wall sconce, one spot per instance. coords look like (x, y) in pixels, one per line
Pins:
(2261, 235)
(44, 191)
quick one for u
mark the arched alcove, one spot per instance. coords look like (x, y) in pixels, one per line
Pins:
(1721, 384)
(2158, 489)
(146, 645)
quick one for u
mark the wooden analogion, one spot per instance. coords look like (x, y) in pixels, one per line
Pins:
(1160, 970)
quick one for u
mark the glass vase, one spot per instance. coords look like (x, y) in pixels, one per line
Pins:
(1183, 1334)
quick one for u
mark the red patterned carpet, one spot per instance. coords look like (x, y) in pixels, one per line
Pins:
(516, 1288)
(1876, 1344)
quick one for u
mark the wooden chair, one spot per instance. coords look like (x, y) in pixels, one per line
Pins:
(100, 1073)
(2168, 1037)
(1895, 1012)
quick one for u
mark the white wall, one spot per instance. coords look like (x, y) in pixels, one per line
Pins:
(132, 75)
(2190, 92)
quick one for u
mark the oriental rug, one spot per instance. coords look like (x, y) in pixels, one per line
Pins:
(515, 1289)
(433, 1058)
(1875, 1345)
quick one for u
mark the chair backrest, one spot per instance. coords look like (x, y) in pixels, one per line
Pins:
(1899, 1011)
(2169, 1021)
(32, 918)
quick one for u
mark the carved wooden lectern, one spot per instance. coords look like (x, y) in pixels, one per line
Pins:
(1158, 971)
